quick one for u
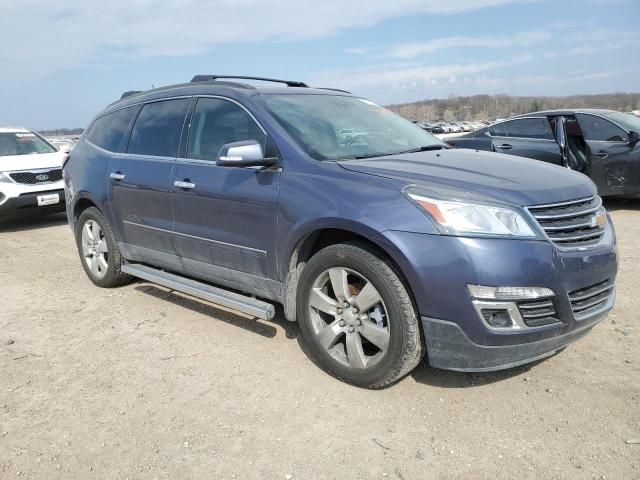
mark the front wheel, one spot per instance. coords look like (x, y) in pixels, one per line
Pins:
(357, 318)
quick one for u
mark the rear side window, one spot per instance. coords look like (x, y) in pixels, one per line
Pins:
(158, 127)
(599, 129)
(108, 130)
(498, 130)
(537, 128)
(217, 122)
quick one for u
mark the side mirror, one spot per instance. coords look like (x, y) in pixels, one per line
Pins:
(634, 138)
(248, 153)
(65, 149)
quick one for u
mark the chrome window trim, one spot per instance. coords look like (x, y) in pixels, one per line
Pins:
(158, 229)
(522, 138)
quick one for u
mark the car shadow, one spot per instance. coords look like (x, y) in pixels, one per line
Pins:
(435, 377)
(31, 221)
(616, 204)
(251, 324)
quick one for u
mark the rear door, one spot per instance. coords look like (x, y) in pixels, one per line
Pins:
(526, 137)
(615, 164)
(225, 217)
(139, 183)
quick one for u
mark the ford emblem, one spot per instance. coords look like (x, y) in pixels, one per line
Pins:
(43, 177)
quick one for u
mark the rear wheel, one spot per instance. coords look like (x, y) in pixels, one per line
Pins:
(357, 318)
(98, 250)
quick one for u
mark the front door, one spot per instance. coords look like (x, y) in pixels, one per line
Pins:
(615, 163)
(140, 180)
(225, 217)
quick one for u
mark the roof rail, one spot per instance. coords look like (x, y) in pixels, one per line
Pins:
(209, 78)
(129, 93)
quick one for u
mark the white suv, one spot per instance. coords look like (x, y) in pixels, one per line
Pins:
(30, 172)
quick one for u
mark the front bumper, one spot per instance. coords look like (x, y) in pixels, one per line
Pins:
(29, 200)
(439, 268)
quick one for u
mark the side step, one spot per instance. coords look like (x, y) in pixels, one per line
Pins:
(232, 300)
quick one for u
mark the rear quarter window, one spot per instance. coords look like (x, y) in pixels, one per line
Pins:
(108, 130)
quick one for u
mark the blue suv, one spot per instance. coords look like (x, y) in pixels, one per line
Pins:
(382, 242)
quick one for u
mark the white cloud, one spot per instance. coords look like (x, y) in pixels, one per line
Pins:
(412, 50)
(408, 76)
(41, 37)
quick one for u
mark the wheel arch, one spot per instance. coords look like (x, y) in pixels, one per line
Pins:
(314, 239)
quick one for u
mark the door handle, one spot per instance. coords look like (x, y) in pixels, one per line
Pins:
(602, 155)
(504, 146)
(117, 176)
(185, 185)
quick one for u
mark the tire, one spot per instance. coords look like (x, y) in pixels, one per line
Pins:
(99, 253)
(351, 343)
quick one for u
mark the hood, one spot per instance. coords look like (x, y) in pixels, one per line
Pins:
(31, 162)
(504, 178)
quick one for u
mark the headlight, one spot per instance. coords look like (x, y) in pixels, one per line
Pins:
(463, 218)
(4, 178)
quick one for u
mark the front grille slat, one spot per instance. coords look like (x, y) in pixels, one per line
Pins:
(538, 313)
(589, 300)
(37, 177)
(571, 224)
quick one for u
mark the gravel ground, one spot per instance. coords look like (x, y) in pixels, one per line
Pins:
(139, 382)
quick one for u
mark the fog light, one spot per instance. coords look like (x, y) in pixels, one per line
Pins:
(497, 318)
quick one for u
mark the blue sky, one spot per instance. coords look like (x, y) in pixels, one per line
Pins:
(62, 62)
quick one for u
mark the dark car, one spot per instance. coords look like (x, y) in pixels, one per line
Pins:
(386, 245)
(602, 144)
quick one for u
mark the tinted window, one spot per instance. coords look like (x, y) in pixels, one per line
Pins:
(157, 128)
(529, 128)
(498, 130)
(217, 122)
(107, 131)
(597, 128)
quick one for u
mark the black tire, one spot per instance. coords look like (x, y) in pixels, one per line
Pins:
(114, 277)
(405, 348)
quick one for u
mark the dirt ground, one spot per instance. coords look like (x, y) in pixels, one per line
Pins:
(138, 382)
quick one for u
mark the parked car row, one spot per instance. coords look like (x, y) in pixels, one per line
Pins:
(450, 127)
(602, 144)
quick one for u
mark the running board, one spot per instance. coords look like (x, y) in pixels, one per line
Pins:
(232, 300)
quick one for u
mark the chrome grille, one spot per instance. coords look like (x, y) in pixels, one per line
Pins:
(572, 224)
(589, 300)
(537, 313)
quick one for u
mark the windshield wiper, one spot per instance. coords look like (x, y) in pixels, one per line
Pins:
(425, 148)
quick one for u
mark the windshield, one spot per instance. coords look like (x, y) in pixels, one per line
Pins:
(331, 127)
(22, 143)
(630, 123)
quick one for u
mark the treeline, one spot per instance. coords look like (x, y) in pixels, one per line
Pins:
(490, 107)
(61, 132)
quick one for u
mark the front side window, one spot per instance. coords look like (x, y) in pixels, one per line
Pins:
(536, 128)
(217, 122)
(598, 129)
(333, 127)
(108, 130)
(158, 127)
(23, 143)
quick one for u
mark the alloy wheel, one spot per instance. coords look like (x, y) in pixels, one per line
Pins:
(95, 249)
(349, 318)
